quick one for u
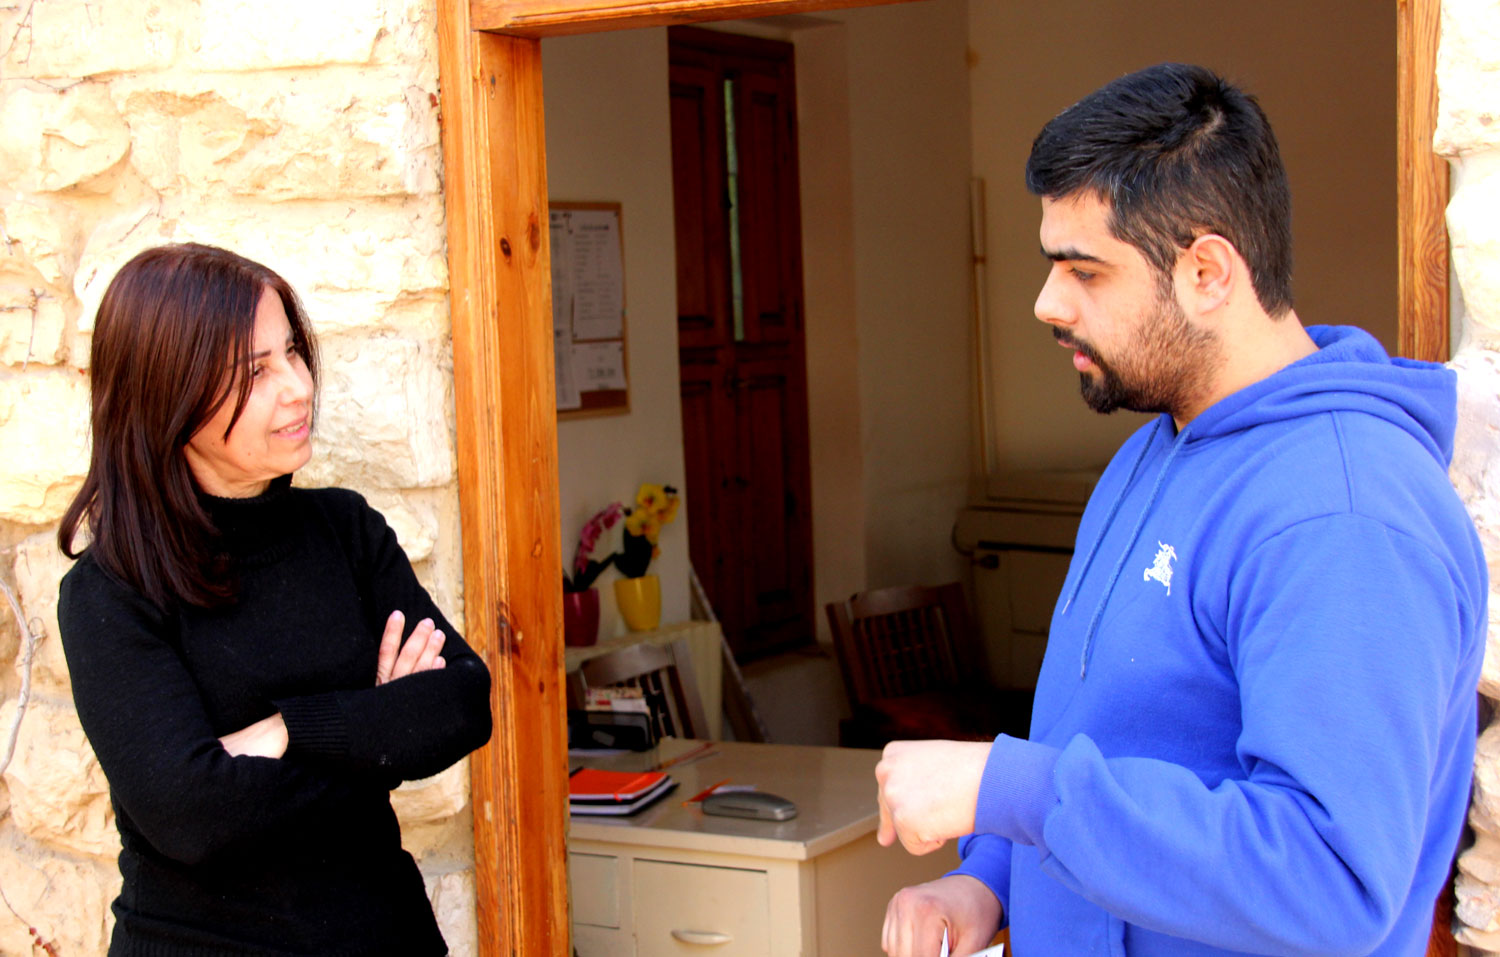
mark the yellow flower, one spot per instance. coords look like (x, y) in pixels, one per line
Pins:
(636, 521)
(650, 527)
(651, 497)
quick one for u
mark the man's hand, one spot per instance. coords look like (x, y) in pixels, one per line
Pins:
(421, 652)
(916, 916)
(265, 738)
(928, 791)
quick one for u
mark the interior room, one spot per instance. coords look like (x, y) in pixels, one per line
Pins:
(945, 440)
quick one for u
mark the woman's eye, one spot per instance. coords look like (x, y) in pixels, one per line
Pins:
(257, 371)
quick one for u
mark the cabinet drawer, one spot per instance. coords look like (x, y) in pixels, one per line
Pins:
(594, 887)
(690, 909)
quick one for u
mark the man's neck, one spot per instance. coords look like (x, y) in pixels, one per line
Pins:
(1253, 350)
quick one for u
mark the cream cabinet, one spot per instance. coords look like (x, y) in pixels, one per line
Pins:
(672, 881)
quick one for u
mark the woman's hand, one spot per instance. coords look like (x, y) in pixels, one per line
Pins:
(421, 652)
(265, 738)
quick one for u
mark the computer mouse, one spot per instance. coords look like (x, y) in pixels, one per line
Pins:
(758, 805)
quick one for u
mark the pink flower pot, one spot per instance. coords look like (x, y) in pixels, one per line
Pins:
(581, 617)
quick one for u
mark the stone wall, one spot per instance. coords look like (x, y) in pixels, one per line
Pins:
(301, 133)
(1468, 135)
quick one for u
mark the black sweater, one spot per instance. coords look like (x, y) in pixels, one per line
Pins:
(247, 855)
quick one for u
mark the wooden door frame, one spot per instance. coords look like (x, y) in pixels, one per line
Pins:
(495, 193)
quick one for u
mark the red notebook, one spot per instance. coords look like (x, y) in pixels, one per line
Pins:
(594, 784)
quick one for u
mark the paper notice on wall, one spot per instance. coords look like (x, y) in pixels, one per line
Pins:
(567, 384)
(562, 286)
(597, 278)
(599, 365)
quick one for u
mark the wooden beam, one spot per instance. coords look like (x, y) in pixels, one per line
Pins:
(1422, 320)
(551, 18)
(495, 192)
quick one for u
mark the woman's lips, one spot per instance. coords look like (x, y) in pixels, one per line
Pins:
(297, 430)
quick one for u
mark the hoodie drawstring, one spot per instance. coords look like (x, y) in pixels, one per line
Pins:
(1140, 522)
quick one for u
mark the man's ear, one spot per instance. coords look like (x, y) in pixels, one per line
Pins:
(1207, 272)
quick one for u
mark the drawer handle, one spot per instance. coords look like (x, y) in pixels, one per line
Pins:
(708, 938)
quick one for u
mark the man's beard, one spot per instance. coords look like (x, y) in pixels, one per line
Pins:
(1163, 368)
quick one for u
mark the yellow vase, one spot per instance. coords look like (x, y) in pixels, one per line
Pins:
(639, 600)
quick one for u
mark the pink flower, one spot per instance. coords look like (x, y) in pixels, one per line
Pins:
(593, 530)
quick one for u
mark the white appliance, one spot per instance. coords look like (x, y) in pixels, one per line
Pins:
(1019, 538)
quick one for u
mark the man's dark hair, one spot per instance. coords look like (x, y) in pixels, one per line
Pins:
(1176, 152)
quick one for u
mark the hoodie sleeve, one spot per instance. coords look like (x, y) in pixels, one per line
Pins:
(1346, 638)
(409, 728)
(986, 858)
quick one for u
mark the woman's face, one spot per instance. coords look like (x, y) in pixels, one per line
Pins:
(274, 432)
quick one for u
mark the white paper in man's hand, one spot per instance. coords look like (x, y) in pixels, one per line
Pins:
(996, 951)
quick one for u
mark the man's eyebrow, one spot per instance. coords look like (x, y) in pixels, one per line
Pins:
(1069, 254)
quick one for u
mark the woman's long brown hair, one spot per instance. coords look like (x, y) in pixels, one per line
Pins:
(172, 341)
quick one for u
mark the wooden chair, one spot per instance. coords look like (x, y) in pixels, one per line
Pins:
(907, 655)
(663, 672)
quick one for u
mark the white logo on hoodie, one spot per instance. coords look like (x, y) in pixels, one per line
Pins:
(1161, 567)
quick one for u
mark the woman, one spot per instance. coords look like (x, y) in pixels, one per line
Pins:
(236, 645)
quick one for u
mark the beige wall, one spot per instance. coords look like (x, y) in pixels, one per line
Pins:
(909, 124)
(1324, 71)
(609, 140)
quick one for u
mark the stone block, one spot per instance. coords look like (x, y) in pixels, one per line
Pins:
(275, 34)
(58, 139)
(1478, 905)
(385, 415)
(66, 900)
(38, 570)
(46, 235)
(1484, 809)
(433, 799)
(32, 327)
(409, 34)
(58, 793)
(415, 523)
(348, 261)
(45, 412)
(1468, 75)
(1474, 237)
(81, 38)
(1481, 861)
(331, 133)
(453, 898)
(418, 317)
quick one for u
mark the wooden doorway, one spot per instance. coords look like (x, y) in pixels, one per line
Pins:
(495, 195)
(741, 356)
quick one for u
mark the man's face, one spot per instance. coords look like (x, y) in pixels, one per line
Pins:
(1133, 346)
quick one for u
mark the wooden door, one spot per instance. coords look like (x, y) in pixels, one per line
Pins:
(740, 335)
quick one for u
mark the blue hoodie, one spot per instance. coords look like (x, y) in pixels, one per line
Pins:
(1254, 725)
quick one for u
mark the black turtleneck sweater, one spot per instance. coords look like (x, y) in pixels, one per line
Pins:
(246, 855)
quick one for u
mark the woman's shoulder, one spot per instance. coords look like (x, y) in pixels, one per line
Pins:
(89, 590)
(344, 510)
(331, 498)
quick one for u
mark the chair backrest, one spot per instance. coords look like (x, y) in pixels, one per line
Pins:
(665, 674)
(900, 641)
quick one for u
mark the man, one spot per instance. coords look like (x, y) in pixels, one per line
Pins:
(1255, 722)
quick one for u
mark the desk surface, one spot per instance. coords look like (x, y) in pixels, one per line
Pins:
(833, 788)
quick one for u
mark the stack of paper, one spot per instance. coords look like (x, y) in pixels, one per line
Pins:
(594, 791)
